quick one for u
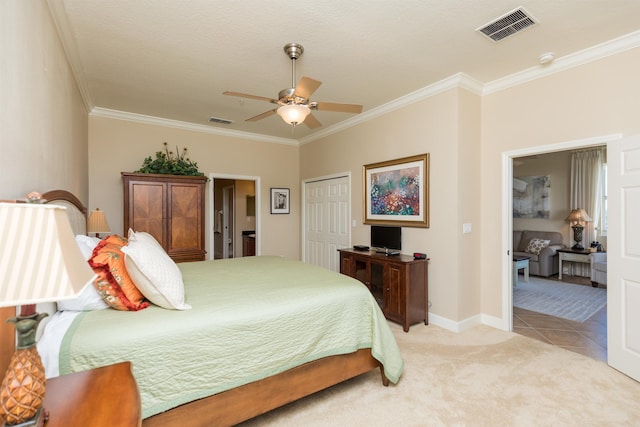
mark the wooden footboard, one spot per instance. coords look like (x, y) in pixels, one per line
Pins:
(245, 402)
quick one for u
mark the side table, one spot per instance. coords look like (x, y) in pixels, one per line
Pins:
(574, 256)
(519, 263)
(100, 397)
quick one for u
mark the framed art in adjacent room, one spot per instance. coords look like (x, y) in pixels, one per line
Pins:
(280, 200)
(396, 192)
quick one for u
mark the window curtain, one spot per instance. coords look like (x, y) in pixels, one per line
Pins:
(587, 189)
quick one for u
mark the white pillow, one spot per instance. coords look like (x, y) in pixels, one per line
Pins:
(89, 299)
(153, 272)
(87, 244)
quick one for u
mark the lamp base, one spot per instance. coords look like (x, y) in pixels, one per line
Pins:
(23, 386)
(38, 421)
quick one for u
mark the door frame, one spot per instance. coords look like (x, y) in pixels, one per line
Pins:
(303, 241)
(210, 218)
(506, 322)
(228, 221)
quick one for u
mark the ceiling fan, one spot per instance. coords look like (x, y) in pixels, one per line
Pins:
(294, 105)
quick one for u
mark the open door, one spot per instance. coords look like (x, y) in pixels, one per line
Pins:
(623, 281)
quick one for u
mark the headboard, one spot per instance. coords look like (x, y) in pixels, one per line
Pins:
(78, 217)
(75, 210)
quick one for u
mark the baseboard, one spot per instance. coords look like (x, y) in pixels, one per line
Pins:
(454, 326)
(471, 322)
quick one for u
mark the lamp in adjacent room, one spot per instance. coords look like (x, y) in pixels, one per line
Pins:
(98, 223)
(40, 262)
(293, 114)
(579, 217)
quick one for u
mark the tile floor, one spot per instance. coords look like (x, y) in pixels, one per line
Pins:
(588, 338)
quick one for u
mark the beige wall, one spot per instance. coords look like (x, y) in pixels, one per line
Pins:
(558, 167)
(119, 145)
(447, 127)
(595, 99)
(43, 121)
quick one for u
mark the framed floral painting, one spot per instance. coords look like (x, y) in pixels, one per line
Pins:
(396, 192)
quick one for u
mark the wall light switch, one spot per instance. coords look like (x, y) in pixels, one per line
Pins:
(353, 223)
(466, 228)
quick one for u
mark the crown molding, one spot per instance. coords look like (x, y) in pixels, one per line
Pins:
(593, 53)
(158, 121)
(68, 42)
(459, 80)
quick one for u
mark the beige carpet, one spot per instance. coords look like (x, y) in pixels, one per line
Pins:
(482, 377)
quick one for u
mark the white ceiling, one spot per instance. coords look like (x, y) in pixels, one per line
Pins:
(172, 59)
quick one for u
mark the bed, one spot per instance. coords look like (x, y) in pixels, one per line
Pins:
(269, 338)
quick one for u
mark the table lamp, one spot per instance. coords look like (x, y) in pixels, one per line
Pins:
(579, 216)
(40, 262)
(98, 223)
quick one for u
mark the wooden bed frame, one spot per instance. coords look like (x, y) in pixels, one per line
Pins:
(242, 403)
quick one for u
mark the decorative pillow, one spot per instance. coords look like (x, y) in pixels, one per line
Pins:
(113, 283)
(154, 273)
(89, 299)
(537, 245)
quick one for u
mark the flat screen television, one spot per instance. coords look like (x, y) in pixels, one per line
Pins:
(385, 238)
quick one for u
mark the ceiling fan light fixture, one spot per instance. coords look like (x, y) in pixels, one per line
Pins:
(293, 114)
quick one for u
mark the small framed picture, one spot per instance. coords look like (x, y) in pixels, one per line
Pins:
(280, 201)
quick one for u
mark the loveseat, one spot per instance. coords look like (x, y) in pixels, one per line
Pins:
(546, 262)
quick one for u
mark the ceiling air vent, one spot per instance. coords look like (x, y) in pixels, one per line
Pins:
(508, 24)
(219, 120)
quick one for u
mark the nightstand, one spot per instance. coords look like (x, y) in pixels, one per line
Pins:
(572, 255)
(100, 397)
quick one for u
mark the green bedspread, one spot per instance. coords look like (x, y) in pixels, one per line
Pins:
(251, 318)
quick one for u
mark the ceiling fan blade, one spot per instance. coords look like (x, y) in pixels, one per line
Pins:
(305, 87)
(262, 116)
(340, 108)
(246, 95)
(312, 122)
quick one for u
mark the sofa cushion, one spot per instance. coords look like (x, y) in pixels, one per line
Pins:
(553, 237)
(601, 266)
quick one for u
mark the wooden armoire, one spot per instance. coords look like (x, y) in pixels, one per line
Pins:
(170, 208)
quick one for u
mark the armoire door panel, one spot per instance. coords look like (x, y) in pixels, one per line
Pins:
(170, 208)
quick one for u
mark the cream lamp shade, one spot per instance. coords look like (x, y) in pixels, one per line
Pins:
(293, 114)
(98, 222)
(39, 258)
(40, 262)
(579, 216)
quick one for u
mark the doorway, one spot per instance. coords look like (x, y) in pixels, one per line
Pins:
(599, 333)
(234, 215)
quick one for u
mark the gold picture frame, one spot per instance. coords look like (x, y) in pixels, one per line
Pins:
(396, 192)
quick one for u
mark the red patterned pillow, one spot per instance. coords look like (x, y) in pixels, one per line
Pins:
(113, 282)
